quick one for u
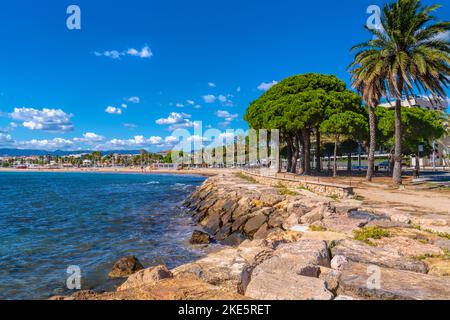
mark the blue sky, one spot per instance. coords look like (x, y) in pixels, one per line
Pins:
(158, 65)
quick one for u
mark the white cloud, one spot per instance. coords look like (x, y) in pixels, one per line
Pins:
(5, 139)
(191, 102)
(210, 98)
(238, 89)
(179, 105)
(211, 84)
(226, 116)
(174, 118)
(197, 106)
(225, 101)
(133, 99)
(90, 137)
(50, 120)
(130, 126)
(113, 110)
(53, 144)
(143, 53)
(267, 85)
(124, 106)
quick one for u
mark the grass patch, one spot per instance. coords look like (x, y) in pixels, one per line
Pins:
(444, 235)
(358, 198)
(317, 228)
(284, 191)
(246, 178)
(367, 233)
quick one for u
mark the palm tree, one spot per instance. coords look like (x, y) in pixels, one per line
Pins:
(409, 54)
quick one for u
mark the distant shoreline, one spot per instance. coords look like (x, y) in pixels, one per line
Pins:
(203, 172)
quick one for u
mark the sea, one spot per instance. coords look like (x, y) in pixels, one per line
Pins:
(54, 226)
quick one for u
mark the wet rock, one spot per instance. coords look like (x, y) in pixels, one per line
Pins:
(394, 284)
(365, 215)
(234, 239)
(360, 252)
(200, 237)
(125, 266)
(224, 232)
(146, 276)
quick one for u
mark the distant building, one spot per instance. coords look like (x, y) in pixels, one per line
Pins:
(421, 102)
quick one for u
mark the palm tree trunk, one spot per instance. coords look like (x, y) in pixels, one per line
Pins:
(318, 168)
(372, 144)
(307, 151)
(397, 172)
(349, 162)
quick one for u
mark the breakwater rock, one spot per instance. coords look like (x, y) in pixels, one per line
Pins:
(291, 244)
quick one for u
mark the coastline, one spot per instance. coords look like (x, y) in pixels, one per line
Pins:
(201, 172)
(294, 245)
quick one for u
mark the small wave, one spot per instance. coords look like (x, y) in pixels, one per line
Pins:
(151, 182)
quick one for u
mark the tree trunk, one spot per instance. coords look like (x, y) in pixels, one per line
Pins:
(318, 168)
(295, 155)
(302, 152)
(372, 144)
(307, 151)
(335, 156)
(349, 162)
(397, 173)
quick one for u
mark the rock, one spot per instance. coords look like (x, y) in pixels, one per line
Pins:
(279, 236)
(224, 268)
(408, 247)
(181, 289)
(276, 220)
(270, 199)
(331, 278)
(443, 244)
(324, 235)
(402, 218)
(212, 223)
(146, 276)
(291, 221)
(438, 266)
(305, 252)
(357, 251)
(394, 284)
(254, 224)
(200, 237)
(338, 262)
(234, 239)
(224, 232)
(125, 266)
(286, 286)
(343, 224)
(316, 214)
(262, 232)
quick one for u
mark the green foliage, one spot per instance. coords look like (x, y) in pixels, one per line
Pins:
(317, 228)
(367, 233)
(420, 127)
(348, 123)
(285, 191)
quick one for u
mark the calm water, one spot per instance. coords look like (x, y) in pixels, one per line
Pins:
(49, 221)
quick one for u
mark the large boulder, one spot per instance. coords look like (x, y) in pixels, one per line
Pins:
(278, 285)
(125, 266)
(146, 276)
(225, 267)
(252, 225)
(357, 279)
(357, 251)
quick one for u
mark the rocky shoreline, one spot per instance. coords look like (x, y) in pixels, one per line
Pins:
(289, 243)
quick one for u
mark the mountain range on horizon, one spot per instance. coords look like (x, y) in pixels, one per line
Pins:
(30, 152)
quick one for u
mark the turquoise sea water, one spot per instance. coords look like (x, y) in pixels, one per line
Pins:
(49, 221)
